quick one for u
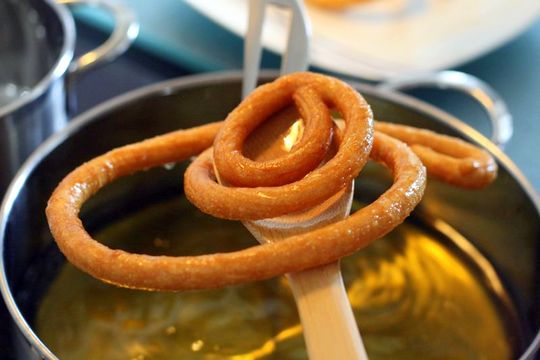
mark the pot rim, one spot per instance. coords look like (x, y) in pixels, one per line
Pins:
(208, 79)
(59, 68)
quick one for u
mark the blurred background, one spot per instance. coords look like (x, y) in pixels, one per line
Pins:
(367, 41)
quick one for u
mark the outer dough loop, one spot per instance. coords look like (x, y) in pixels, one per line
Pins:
(311, 94)
(259, 262)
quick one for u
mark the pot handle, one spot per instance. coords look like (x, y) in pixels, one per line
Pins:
(125, 31)
(485, 95)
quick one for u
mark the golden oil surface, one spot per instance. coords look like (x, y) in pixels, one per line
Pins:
(414, 297)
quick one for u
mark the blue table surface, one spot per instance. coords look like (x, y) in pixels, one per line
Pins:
(178, 34)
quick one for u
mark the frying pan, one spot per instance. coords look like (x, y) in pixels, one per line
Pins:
(501, 221)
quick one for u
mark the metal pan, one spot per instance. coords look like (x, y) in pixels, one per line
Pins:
(37, 70)
(502, 222)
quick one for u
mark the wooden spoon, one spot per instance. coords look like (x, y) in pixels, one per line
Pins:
(327, 319)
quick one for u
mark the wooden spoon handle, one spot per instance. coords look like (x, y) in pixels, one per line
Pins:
(326, 314)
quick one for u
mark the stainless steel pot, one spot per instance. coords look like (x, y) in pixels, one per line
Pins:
(37, 39)
(502, 221)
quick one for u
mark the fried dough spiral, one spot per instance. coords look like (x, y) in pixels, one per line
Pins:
(297, 191)
(287, 188)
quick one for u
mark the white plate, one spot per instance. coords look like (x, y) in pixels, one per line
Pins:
(383, 38)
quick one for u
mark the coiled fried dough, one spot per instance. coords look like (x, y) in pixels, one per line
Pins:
(313, 95)
(253, 200)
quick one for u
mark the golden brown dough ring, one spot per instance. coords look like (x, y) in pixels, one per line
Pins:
(322, 246)
(305, 155)
(447, 158)
(314, 93)
(252, 202)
